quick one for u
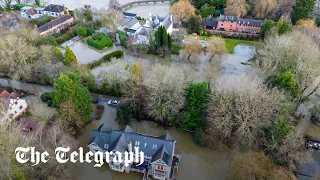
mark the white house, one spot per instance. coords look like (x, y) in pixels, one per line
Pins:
(29, 13)
(15, 107)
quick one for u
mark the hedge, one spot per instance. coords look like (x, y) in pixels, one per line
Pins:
(19, 6)
(67, 36)
(123, 38)
(106, 58)
(99, 41)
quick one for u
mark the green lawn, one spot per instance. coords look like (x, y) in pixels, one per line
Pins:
(231, 43)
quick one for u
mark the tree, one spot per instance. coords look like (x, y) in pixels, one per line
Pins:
(193, 24)
(207, 11)
(114, 5)
(163, 38)
(295, 52)
(124, 114)
(110, 19)
(302, 9)
(82, 31)
(178, 36)
(266, 28)
(166, 89)
(37, 2)
(70, 58)
(58, 54)
(192, 48)
(256, 165)
(70, 116)
(306, 24)
(183, 10)
(68, 87)
(216, 46)
(241, 108)
(6, 3)
(285, 81)
(236, 8)
(283, 26)
(139, 49)
(197, 95)
(264, 7)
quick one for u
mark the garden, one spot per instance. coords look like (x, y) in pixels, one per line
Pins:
(99, 41)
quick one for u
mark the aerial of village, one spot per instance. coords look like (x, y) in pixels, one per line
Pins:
(159, 89)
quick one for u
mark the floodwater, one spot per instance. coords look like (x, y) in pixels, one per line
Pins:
(142, 10)
(196, 162)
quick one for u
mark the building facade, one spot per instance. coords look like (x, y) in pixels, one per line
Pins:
(233, 24)
(159, 152)
(37, 12)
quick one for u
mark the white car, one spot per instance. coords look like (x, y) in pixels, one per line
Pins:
(113, 102)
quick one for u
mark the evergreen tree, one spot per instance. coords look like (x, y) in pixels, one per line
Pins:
(302, 9)
(70, 58)
(163, 38)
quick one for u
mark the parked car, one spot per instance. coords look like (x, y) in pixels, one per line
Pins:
(113, 102)
(313, 145)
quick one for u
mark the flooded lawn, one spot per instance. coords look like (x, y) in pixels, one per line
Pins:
(86, 54)
(144, 10)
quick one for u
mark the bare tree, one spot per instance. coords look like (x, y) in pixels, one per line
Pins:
(114, 5)
(296, 52)
(236, 8)
(216, 46)
(241, 108)
(178, 36)
(111, 19)
(192, 48)
(264, 7)
(255, 165)
(182, 10)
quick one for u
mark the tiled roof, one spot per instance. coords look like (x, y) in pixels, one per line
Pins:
(210, 22)
(53, 23)
(32, 11)
(167, 22)
(158, 147)
(128, 22)
(54, 8)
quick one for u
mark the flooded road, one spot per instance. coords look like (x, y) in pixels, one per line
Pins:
(196, 162)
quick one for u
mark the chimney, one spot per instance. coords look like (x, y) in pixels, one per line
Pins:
(129, 146)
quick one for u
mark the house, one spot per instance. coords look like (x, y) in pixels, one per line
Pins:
(159, 152)
(55, 25)
(31, 13)
(233, 24)
(54, 10)
(14, 107)
(154, 21)
(129, 25)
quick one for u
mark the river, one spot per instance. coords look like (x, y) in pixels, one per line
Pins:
(196, 162)
(141, 10)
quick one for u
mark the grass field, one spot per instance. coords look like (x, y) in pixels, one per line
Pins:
(231, 43)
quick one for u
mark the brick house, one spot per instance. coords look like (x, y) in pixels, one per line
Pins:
(55, 25)
(233, 24)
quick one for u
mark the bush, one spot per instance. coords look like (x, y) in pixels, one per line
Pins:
(99, 41)
(41, 21)
(82, 31)
(197, 136)
(90, 31)
(46, 40)
(19, 6)
(124, 114)
(123, 38)
(50, 103)
(46, 97)
(8, 89)
(106, 58)
(67, 36)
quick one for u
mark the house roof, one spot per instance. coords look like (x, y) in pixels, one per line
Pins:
(32, 11)
(128, 22)
(26, 8)
(250, 22)
(157, 147)
(53, 23)
(311, 170)
(228, 18)
(54, 8)
(167, 22)
(210, 22)
(129, 14)
(5, 93)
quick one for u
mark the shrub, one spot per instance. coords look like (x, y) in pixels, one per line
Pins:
(82, 31)
(90, 31)
(46, 97)
(8, 89)
(106, 58)
(67, 36)
(19, 6)
(123, 38)
(99, 111)
(99, 41)
(197, 136)
(46, 40)
(41, 21)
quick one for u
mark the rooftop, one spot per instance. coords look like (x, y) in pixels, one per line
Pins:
(53, 23)
(157, 147)
(54, 8)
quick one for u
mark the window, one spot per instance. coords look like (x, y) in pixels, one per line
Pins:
(221, 24)
(21, 107)
(159, 168)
